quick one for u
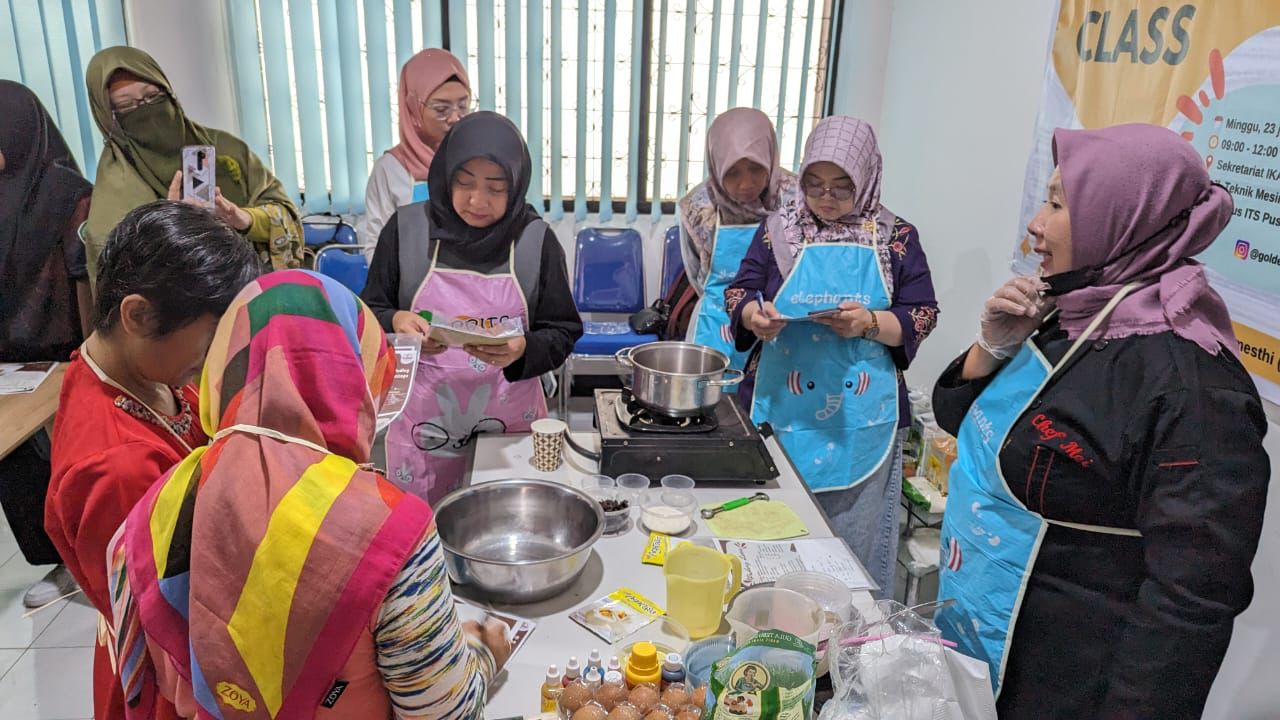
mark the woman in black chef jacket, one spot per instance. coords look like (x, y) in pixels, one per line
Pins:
(1107, 500)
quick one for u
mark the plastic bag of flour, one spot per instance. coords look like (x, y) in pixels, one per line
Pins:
(771, 677)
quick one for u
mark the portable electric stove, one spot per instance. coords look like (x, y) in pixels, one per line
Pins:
(721, 446)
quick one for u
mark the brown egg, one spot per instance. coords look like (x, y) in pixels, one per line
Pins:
(644, 697)
(698, 698)
(625, 711)
(660, 712)
(574, 697)
(610, 694)
(689, 712)
(591, 711)
(676, 695)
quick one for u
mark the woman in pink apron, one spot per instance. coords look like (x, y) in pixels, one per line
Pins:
(476, 251)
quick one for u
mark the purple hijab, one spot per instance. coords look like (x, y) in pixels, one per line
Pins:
(1141, 206)
(850, 144)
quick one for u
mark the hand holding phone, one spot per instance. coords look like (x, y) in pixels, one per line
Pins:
(199, 179)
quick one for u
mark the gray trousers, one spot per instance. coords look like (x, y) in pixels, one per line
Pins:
(866, 517)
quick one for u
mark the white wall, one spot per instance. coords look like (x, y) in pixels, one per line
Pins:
(961, 86)
(188, 38)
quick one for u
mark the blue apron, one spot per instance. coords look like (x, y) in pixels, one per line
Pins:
(420, 192)
(710, 323)
(832, 401)
(989, 538)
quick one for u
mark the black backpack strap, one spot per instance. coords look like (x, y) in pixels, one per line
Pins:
(528, 262)
(416, 249)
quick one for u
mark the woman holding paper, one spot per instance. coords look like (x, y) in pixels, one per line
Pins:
(831, 386)
(145, 129)
(475, 253)
(294, 579)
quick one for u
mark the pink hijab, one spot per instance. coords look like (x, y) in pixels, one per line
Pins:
(422, 75)
(1141, 207)
(738, 134)
(850, 144)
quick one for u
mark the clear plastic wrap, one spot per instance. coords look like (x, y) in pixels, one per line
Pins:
(896, 666)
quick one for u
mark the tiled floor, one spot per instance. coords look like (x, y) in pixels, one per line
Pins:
(46, 659)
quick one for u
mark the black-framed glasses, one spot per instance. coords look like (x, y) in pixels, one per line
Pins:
(839, 194)
(429, 436)
(129, 106)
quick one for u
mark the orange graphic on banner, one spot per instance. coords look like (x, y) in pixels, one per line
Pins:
(1259, 352)
(1144, 60)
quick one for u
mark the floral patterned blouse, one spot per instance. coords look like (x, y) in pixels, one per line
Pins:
(914, 301)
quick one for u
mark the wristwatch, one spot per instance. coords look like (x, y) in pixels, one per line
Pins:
(873, 329)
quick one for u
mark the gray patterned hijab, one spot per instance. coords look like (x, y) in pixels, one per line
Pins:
(850, 144)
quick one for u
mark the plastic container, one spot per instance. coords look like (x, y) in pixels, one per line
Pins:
(677, 482)
(616, 506)
(701, 655)
(672, 669)
(666, 511)
(642, 665)
(666, 634)
(632, 484)
(772, 608)
(835, 599)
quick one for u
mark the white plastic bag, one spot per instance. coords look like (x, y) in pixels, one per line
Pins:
(898, 667)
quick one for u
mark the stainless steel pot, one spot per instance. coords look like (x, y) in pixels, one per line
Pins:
(677, 378)
(518, 541)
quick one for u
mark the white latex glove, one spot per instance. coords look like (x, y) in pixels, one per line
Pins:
(1011, 314)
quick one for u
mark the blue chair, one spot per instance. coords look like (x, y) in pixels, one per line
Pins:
(672, 260)
(608, 278)
(316, 234)
(344, 263)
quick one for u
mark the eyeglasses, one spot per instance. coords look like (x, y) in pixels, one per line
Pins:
(444, 111)
(149, 99)
(429, 436)
(839, 194)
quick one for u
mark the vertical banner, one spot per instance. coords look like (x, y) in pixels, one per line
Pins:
(1210, 70)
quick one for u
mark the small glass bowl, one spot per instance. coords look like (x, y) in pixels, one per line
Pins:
(670, 512)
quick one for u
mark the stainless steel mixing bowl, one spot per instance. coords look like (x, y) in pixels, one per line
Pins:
(518, 541)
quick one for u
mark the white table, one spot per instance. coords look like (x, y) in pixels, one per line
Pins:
(614, 564)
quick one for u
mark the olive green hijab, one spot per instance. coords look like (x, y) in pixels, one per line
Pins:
(143, 151)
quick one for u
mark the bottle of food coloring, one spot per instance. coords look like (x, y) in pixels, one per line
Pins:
(551, 689)
(572, 671)
(672, 669)
(594, 661)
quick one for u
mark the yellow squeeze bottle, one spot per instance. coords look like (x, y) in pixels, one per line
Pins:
(643, 666)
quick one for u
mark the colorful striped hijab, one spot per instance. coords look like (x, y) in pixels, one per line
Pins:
(257, 562)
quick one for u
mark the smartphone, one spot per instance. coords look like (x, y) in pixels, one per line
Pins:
(822, 313)
(198, 176)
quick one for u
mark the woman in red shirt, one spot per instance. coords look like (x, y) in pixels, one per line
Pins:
(128, 409)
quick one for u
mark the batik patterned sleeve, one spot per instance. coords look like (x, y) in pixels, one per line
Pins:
(430, 668)
(914, 301)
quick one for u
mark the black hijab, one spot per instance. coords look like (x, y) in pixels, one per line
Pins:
(40, 188)
(493, 137)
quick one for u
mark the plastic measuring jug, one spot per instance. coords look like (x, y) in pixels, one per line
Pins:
(771, 608)
(698, 587)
